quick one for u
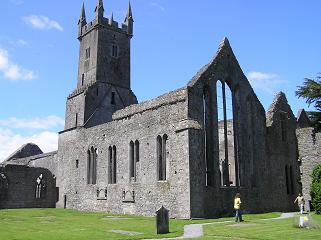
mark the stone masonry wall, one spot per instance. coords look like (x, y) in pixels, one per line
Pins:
(248, 113)
(309, 145)
(21, 192)
(142, 122)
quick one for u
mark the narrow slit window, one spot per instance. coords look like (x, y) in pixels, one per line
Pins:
(131, 160)
(87, 54)
(161, 157)
(112, 101)
(136, 151)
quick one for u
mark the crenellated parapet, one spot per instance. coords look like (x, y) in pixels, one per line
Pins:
(100, 21)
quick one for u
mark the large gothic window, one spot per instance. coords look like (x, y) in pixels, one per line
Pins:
(226, 134)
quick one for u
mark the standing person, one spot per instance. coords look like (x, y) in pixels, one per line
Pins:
(237, 207)
(301, 201)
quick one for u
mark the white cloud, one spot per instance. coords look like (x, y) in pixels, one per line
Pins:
(11, 70)
(42, 22)
(36, 123)
(46, 139)
(158, 6)
(9, 142)
(267, 82)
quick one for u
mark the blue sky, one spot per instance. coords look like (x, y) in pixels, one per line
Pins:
(276, 42)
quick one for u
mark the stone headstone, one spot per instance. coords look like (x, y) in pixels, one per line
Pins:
(162, 221)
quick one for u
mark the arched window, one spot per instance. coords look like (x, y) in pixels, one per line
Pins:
(226, 134)
(137, 151)
(40, 187)
(92, 165)
(131, 160)
(4, 185)
(89, 164)
(206, 131)
(112, 166)
(161, 157)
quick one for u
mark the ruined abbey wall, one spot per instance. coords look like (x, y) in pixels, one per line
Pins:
(309, 146)
(143, 122)
(18, 186)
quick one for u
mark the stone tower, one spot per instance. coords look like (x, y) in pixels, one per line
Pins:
(103, 84)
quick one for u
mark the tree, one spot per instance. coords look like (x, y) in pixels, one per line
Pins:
(311, 91)
(315, 190)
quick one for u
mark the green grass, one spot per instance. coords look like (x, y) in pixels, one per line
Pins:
(62, 224)
(267, 230)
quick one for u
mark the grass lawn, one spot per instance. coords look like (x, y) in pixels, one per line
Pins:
(62, 224)
(255, 229)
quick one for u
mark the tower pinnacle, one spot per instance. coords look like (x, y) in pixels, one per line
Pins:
(129, 21)
(129, 15)
(99, 10)
(82, 18)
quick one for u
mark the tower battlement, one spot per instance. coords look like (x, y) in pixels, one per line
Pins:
(100, 21)
(104, 22)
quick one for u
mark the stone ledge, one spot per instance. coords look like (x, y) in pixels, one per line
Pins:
(188, 124)
(180, 95)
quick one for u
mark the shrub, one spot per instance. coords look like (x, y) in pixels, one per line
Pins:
(315, 189)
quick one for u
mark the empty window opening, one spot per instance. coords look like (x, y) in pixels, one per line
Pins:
(82, 79)
(112, 101)
(40, 187)
(76, 120)
(114, 51)
(161, 157)
(87, 53)
(206, 129)
(225, 134)
(92, 165)
(97, 91)
(77, 163)
(131, 160)
(137, 151)
(4, 185)
(112, 167)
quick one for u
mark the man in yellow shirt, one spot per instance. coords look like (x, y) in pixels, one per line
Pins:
(237, 207)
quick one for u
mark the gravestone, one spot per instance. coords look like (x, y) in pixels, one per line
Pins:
(162, 221)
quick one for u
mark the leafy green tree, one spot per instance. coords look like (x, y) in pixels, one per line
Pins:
(315, 190)
(311, 92)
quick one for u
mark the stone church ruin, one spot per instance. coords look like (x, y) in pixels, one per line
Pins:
(190, 150)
